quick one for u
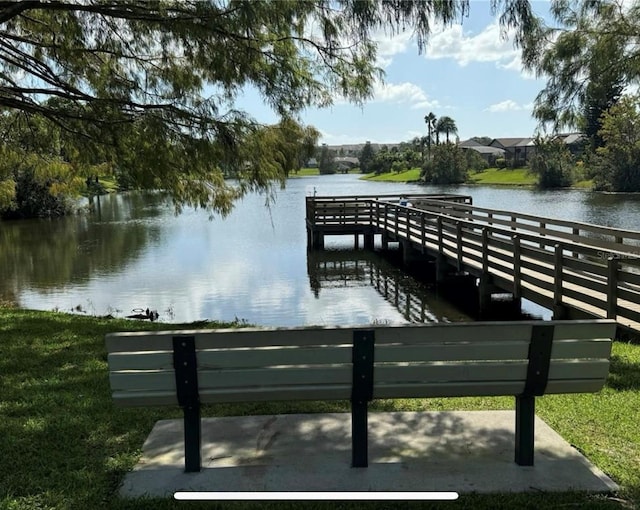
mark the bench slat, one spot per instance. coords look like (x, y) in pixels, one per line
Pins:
(425, 373)
(406, 334)
(343, 392)
(485, 389)
(165, 380)
(276, 393)
(596, 348)
(229, 338)
(260, 357)
(429, 373)
(235, 358)
(583, 329)
(499, 350)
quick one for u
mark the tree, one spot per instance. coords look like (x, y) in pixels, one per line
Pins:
(446, 125)
(552, 162)
(617, 164)
(326, 164)
(382, 161)
(448, 166)
(35, 180)
(367, 155)
(482, 140)
(430, 120)
(588, 58)
(149, 88)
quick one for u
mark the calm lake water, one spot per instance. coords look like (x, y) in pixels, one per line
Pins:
(134, 253)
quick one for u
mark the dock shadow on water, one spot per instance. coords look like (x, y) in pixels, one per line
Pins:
(416, 301)
(412, 291)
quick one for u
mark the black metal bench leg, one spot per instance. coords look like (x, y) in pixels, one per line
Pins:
(186, 374)
(361, 394)
(525, 429)
(192, 435)
(359, 448)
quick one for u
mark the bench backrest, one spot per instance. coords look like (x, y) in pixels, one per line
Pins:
(426, 360)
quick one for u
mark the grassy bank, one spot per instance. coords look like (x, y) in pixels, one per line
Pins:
(504, 176)
(408, 176)
(65, 446)
(488, 177)
(306, 172)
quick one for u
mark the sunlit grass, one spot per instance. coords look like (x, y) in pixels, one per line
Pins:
(65, 446)
(504, 176)
(407, 176)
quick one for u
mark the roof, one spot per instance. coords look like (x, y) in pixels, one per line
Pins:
(525, 142)
(346, 159)
(508, 142)
(483, 149)
(570, 138)
(470, 143)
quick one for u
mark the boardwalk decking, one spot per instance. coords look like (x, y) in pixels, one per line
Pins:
(575, 269)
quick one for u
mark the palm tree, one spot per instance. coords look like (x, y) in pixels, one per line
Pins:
(430, 119)
(446, 125)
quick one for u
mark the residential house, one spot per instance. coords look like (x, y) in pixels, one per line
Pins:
(345, 163)
(517, 150)
(489, 154)
(575, 142)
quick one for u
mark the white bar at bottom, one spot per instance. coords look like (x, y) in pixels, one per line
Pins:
(316, 496)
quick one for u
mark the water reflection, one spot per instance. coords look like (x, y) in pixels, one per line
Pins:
(49, 254)
(134, 252)
(349, 269)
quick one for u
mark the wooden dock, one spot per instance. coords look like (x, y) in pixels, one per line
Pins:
(575, 269)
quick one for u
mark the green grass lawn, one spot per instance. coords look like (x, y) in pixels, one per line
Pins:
(408, 176)
(504, 176)
(305, 172)
(65, 446)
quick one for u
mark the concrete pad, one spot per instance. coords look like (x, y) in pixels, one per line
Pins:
(408, 451)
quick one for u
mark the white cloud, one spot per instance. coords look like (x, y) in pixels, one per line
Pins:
(631, 89)
(509, 105)
(341, 139)
(486, 46)
(516, 65)
(404, 93)
(389, 46)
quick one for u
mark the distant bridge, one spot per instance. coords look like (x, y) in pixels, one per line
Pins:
(575, 269)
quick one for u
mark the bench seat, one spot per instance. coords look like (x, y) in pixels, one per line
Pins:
(522, 359)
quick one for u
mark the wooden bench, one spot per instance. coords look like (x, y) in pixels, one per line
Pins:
(521, 359)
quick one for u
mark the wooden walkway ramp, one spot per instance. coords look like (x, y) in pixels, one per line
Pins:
(575, 269)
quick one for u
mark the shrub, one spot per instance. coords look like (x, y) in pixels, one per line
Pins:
(35, 186)
(553, 163)
(34, 199)
(475, 161)
(616, 166)
(448, 165)
(501, 163)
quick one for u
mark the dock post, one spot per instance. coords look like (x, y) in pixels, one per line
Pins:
(441, 268)
(612, 288)
(517, 274)
(560, 311)
(484, 296)
(317, 240)
(368, 241)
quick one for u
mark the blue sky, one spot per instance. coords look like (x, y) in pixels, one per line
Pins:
(467, 72)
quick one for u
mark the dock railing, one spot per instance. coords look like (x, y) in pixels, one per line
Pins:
(557, 263)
